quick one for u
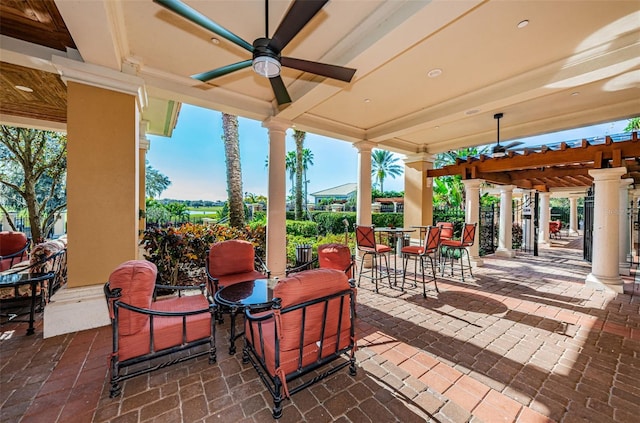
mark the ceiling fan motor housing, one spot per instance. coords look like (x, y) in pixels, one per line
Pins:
(261, 49)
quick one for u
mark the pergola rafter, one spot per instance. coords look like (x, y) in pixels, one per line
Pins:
(546, 167)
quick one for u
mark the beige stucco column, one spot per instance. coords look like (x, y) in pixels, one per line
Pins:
(472, 215)
(144, 146)
(528, 230)
(505, 248)
(625, 225)
(545, 218)
(103, 183)
(573, 213)
(606, 217)
(418, 192)
(363, 200)
(277, 197)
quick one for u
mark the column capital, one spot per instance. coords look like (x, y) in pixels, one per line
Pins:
(364, 146)
(507, 188)
(472, 183)
(420, 157)
(626, 183)
(607, 174)
(101, 77)
(545, 194)
(276, 124)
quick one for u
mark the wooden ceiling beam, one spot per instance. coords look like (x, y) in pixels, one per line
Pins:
(596, 154)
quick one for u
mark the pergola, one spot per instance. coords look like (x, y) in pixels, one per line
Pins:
(430, 74)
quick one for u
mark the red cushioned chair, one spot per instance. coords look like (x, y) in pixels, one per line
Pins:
(336, 256)
(310, 327)
(427, 250)
(366, 244)
(554, 229)
(14, 248)
(232, 261)
(144, 329)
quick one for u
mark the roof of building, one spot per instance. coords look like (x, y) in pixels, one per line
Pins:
(340, 190)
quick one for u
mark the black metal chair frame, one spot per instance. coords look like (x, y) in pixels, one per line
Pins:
(214, 286)
(447, 252)
(112, 297)
(370, 249)
(56, 276)
(274, 383)
(431, 238)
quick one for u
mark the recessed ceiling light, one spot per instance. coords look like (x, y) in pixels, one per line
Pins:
(523, 23)
(367, 100)
(23, 88)
(434, 73)
(575, 93)
(471, 112)
(215, 40)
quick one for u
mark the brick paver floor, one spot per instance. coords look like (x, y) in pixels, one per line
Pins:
(524, 340)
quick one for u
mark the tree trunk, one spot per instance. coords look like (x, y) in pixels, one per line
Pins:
(299, 138)
(234, 171)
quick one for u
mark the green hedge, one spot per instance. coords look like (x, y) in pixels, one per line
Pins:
(302, 227)
(333, 222)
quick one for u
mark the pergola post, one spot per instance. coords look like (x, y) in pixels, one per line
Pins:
(624, 255)
(277, 197)
(573, 213)
(363, 199)
(472, 215)
(545, 218)
(505, 248)
(418, 192)
(606, 225)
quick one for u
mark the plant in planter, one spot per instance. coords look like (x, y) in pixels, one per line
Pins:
(179, 252)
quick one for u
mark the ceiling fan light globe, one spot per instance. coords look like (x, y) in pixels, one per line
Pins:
(266, 66)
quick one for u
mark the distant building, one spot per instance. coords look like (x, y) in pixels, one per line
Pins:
(341, 193)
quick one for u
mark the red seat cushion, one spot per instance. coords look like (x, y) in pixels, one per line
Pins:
(380, 248)
(136, 279)
(451, 243)
(11, 243)
(230, 257)
(240, 277)
(305, 286)
(335, 256)
(167, 331)
(413, 249)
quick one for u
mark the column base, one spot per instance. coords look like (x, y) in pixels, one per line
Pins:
(75, 309)
(573, 232)
(505, 252)
(601, 283)
(476, 262)
(624, 268)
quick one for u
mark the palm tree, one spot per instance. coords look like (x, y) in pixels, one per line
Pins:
(290, 166)
(234, 171)
(383, 164)
(449, 190)
(307, 161)
(299, 136)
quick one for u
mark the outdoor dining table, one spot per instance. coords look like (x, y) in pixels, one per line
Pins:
(398, 236)
(16, 280)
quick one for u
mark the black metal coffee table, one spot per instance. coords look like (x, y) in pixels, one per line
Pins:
(255, 294)
(16, 280)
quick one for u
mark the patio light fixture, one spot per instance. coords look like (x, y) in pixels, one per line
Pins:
(266, 66)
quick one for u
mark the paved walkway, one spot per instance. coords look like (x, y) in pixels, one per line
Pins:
(523, 341)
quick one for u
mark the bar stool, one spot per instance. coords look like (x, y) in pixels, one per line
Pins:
(429, 249)
(458, 248)
(366, 244)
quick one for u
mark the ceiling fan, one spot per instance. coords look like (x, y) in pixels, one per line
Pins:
(501, 150)
(267, 60)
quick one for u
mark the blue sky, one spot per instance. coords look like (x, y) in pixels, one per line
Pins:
(193, 158)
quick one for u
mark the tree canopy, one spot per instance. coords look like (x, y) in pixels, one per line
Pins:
(33, 169)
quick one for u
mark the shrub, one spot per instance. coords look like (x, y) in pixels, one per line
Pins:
(179, 252)
(302, 227)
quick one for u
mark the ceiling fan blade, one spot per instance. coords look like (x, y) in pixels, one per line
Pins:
(282, 96)
(209, 75)
(513, 144)
(322, 69)
(198, 18)
(298, 15)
